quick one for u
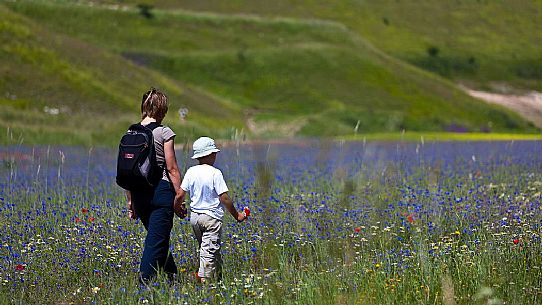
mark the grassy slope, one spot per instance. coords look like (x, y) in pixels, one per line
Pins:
(480, 43)
(96, 91)
(315, 78)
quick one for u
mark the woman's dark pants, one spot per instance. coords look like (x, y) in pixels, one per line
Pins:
(155, 209)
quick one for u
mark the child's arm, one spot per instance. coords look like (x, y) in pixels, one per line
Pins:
(228, 203)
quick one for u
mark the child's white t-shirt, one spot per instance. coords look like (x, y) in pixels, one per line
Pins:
(204, 183)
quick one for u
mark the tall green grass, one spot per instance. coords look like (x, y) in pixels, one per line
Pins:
(79, 247)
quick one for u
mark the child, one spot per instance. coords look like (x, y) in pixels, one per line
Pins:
(209, 195)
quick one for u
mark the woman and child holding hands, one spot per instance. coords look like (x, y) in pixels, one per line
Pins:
(156, 205)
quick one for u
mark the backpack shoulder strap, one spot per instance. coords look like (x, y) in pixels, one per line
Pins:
(135, 126)
(138, 126)
(151, 126)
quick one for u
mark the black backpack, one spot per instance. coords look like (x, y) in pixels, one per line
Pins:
(137, 167)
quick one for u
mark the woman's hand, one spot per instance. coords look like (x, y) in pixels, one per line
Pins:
(179, 208)
(131, 211)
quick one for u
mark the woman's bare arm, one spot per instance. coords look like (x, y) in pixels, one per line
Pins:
(171, 165)
(175, 177)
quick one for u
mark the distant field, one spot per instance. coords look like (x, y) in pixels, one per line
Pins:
(239, 76)
(444, 136)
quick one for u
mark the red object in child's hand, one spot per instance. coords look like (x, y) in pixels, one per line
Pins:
(247, 211)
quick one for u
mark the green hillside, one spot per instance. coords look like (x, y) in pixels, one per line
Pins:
(266, 76)
(486, 44)
(57, 89)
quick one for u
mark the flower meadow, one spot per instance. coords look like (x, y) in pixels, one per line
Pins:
(331, 223)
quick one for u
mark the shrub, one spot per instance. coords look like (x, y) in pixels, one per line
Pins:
(433, 51)
(145, 10)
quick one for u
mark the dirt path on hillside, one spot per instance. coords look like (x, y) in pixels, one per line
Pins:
(528, 105)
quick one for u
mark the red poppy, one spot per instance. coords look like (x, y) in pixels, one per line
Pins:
(357, 229)
(198, 278)
(84, 210)
(91, 219)
(19, 267)
(410, 218)
(516, 241)
(247, 211)
(77, 219)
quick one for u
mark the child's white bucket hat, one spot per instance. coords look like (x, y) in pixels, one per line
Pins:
(204, 146)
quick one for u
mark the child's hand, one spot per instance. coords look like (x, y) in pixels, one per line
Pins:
(241, 216)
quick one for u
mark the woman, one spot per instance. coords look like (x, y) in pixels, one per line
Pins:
(155, 206)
